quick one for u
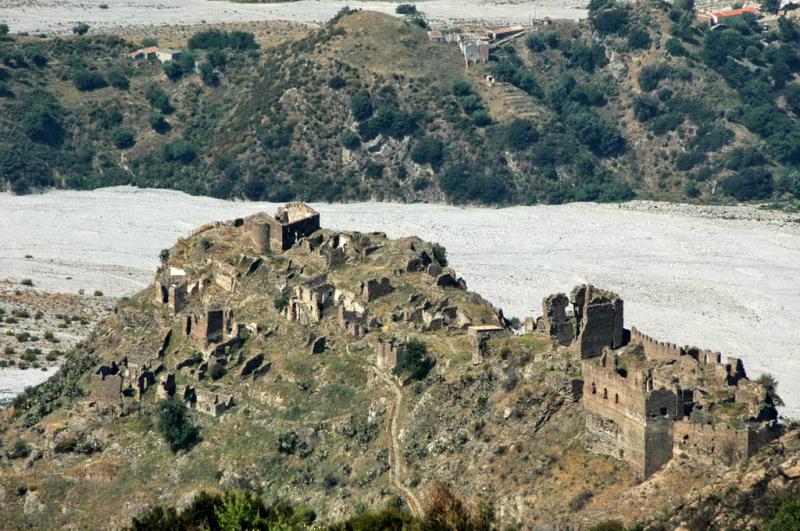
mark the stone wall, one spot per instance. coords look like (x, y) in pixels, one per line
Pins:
(599, 320)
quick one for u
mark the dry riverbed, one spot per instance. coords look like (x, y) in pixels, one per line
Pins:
(59, 16)
(723, 278)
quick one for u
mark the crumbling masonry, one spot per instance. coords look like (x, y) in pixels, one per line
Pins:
(645, 400)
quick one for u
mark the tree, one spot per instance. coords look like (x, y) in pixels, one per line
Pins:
(770, 6)
(639, 38)
(41, 119)
(610, 21)
(519, 134)
(88, 80)
(174, 425)
(406, 9)
(117, 78)
(158, 122)
(415, 361)
(361, 106)
(4, 29)
(787, 517)
(81, 28)
(209, 75)
(428, 150)
(123, 138)
(158, 98)
(749, 184)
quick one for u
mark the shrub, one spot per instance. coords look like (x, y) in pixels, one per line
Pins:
(19, 450)
(337, 82)
(180, 151)
(440, 254)
(123, 138)
(117, 78)
(217, 371)
(580, 500)
(639, 38)
(174, 425)
(215, 38)
(41, 120)
(536, 42)
(158, 98)
(361, 106)
(675, 48)
(749, 184)
(406, 9)
(462, 88)
(609, 21)
(158, 122)
(27, 282)
(519, 134)
(81, 28)
(787, 517)
(651, 75)
(4, 29)
(415, 361)
(481, 118)
(428, 150)
(209, 75)
(350, 140)
(88, 80)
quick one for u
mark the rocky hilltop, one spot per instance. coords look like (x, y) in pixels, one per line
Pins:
(344, 370)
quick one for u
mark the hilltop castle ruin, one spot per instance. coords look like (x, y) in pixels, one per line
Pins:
(647, 401)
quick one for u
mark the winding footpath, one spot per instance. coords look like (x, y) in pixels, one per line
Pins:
(394, 450)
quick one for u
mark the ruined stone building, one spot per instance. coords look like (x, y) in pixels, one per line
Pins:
(647, 401)
(276, 234)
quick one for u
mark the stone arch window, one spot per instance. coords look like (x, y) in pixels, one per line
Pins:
(616, 398)
(594, 389)
(605, 393)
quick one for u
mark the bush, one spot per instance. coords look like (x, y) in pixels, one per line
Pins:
(123, 138)
(361, 106)
(462, 88)
(440, 254)
(41, 119)
(174, 425)
(415, 361)
(675, 48)
(209, 75)
(609, 21)
(406, 9)
(337, 82)
(651, 75)
(519, 134)
(19, 450)
(117, 78)
(158, 122)
(215, 38)
(639, 38)
(428, 150)
(787, 517)
(350, 140)
(217, 371)
(81, 28)
(27, 282)
(463, 183)
(158, 98)
(180, 151)
(4, 29)
(749, 184)
(88, 80)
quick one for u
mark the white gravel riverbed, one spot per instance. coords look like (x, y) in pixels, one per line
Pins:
(724, 278)
(59, 16)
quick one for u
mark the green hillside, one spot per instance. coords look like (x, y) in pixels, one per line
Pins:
(641, 100)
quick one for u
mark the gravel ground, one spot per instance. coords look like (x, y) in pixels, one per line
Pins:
(59, 16)
(723, 278)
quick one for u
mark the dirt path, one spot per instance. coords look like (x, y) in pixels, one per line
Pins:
(395, 461)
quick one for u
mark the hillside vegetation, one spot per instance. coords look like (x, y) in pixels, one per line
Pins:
(639, 100)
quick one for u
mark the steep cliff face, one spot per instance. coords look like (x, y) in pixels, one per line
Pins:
(346, 371)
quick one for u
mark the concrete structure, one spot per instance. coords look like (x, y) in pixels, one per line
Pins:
(168, 54)
(277, 234)
(474, 52)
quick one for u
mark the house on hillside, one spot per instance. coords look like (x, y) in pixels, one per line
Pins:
(474, 52)
(721, 17)
(153, 52)
(168, 54)
(435, 36)
(143, 54)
